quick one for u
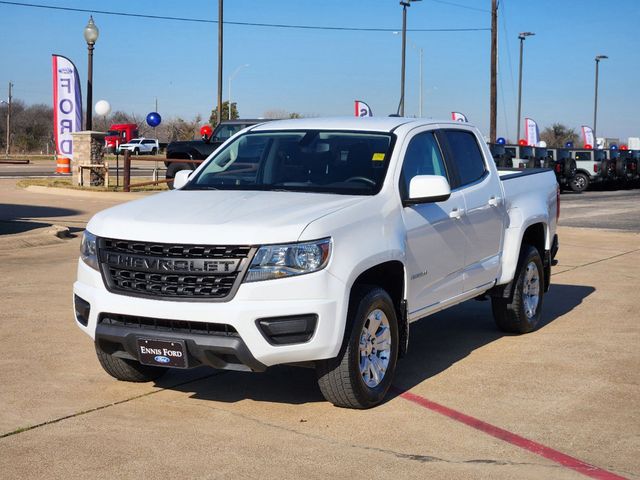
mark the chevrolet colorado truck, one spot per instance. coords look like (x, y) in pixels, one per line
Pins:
(316, 242)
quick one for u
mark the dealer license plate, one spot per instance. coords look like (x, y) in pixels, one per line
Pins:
(162, 353)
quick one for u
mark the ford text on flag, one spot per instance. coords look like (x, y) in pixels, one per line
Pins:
(587, 134)
(67, 104)
(533, 134)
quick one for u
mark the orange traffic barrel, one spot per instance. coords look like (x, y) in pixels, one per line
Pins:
(63, 166)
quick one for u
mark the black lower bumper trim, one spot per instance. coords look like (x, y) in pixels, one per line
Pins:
(218, 351)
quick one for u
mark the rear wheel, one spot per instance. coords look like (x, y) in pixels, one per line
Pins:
(127, 370)
(154, 150)
(522, 314)
(579, 183)
(360, 376)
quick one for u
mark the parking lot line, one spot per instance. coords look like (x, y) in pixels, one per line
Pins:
(512, 438)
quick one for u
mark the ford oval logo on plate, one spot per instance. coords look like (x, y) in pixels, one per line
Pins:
(162, 359)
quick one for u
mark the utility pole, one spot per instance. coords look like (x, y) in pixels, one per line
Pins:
(595, 103)
(220, 22)
(521, 37)
(404, 49)
(493, 101)
(8, 150)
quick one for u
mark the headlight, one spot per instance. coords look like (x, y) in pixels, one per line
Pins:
(277, 261)
(89, 249)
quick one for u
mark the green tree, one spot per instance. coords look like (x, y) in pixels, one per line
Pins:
(558, 134)
(213, 119)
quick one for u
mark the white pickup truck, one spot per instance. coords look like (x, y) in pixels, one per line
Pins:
(316, 242)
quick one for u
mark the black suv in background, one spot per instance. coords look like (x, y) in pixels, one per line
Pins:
(201, 149)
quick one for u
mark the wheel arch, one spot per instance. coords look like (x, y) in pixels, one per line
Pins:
(390, 276)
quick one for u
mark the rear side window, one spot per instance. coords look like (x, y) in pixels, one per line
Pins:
(463, 151)
(423, 157)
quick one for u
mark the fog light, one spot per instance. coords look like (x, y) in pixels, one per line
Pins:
(82, 308)
(288, 330)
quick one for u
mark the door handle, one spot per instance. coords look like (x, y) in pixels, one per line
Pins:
(494, 201)
(456, 213)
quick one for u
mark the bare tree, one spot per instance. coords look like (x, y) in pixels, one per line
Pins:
(557, 135)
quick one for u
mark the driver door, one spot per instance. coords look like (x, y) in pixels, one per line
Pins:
(435, 242)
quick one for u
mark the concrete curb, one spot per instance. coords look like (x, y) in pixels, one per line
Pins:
(83, 193)
(39, 237)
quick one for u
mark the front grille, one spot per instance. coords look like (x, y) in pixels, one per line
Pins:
(173, 271)
(163, 325)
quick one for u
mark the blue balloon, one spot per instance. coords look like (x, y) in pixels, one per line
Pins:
(154, 119)
(569, 144)
(613, 146)
(501, 141)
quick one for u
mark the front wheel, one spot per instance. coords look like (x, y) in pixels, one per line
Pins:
(523, 313)
(579, 183)
(127, 370)
(360, 376)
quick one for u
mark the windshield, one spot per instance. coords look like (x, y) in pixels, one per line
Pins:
(134, 141)
(226, 131)
(302, 161)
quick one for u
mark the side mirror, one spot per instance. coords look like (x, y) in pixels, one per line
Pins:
(428, 189)
(181, 178)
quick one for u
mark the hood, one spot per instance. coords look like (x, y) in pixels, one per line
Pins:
(218, 216)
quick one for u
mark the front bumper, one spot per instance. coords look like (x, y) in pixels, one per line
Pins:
(320, 294)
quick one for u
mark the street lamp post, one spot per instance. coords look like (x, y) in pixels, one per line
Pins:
(91, 33)
(595, 104)
(521, 37)
(405, 4)
(420, 52)
(231, 77)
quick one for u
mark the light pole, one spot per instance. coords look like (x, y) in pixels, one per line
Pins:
(8, 103)
(231, 77)
(405, 4)
(595, 104)
(522, 36)
(91, 33)
(419, 49)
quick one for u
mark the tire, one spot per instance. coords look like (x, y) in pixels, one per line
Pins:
(569, 167)
(621, 168)
(154, 151)
(128, 370)
(347, 382)
(579, 183)
(136, 151)
(522, 314)
(172, 169)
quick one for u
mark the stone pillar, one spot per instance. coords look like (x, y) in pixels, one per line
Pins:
(88, 149)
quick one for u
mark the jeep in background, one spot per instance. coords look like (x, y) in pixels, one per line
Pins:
(592, 166)
(201, 149)
(559, 159)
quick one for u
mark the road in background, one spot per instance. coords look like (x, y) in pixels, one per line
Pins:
(610, 209)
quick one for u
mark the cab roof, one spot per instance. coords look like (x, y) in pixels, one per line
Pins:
(368, 124)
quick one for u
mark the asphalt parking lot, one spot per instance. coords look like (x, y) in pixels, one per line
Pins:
(469, 401)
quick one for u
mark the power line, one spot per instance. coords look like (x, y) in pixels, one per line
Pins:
(244, 24)
(462, 6)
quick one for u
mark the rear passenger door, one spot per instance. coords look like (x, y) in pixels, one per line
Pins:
(435, 242)
(483, 220)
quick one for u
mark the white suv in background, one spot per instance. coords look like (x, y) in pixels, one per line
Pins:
(139, 146)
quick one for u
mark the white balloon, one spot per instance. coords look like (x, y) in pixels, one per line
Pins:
(102, 107)
(542, 144)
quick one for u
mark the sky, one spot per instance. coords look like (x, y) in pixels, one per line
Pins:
(322, 72)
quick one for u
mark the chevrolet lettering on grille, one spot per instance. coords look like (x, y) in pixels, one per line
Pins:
(174, 265)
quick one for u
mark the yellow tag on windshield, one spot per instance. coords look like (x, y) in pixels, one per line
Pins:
(378, 157)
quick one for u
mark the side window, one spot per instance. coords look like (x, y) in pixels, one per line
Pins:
(466, 155)
(423, 157)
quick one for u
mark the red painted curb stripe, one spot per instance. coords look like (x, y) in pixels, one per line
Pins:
(533, 447)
